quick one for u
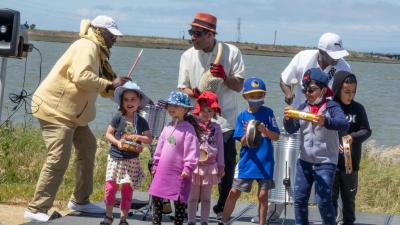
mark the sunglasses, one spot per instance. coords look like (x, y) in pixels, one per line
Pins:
(197, 33)
(108, 34)
(310, 90)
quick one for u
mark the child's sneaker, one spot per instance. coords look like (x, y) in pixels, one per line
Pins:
(218, 211)
(255, 219)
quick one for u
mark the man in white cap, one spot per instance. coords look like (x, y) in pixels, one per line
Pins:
(328, 57)
(64, 104)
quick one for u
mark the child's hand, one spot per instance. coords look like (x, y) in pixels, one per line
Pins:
(243, 141)
(139, 149)
(286, 113)
(245, 124)
(184, 175)
(348, 138)
(153, 172)
(341, 149)
(263, 129)
(319, 120)
(221, 173)
(119, 144)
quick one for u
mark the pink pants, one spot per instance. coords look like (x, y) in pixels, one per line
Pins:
(202, 193)
(126, 194)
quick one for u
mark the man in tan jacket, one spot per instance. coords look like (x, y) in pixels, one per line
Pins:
(64, 104)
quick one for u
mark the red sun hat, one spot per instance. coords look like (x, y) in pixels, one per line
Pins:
(211, 101)
(205, 21)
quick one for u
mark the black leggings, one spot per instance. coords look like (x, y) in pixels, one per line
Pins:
(157, 211)
(226, 182)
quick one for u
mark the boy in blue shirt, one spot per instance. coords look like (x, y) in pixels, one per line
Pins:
(256, 163)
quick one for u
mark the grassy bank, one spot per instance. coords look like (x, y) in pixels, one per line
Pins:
(22, 154)
(175, 43)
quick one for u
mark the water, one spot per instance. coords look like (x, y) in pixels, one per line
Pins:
(157, 74)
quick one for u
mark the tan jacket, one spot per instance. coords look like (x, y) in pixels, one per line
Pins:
(68, 94)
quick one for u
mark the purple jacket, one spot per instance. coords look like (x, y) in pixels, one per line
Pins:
(170, 160)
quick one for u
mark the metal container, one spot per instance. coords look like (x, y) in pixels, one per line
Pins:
(155, 117)
(286, 152)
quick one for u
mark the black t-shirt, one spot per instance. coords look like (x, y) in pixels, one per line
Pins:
(122, 126)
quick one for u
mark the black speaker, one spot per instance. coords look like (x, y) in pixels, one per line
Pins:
(13, 35)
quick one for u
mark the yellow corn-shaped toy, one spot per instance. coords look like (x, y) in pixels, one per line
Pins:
(296, 114)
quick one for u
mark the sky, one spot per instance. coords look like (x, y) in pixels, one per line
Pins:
(364, 25)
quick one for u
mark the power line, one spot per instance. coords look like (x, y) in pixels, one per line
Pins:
(238, 31)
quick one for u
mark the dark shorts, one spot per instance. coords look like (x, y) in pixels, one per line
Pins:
(244, 185)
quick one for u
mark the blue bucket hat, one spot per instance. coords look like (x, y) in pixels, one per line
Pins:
(131, 86)
(177, 98)
(316, 74)
(253, 84)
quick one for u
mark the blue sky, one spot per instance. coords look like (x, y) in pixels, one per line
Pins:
(365, 25)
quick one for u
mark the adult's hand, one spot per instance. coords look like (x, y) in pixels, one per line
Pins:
(217, 70)
(119, 81)
(289, 99)
(196, 92)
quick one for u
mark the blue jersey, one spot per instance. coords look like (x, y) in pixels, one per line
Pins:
(256, 163)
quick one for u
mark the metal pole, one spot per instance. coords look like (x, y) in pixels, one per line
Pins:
(3, 72)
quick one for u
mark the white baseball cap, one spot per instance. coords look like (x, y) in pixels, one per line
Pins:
(331, 43)
(107, 23)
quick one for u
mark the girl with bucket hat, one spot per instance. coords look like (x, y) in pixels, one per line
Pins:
(211, 165)
(126, 132)
(175, 158)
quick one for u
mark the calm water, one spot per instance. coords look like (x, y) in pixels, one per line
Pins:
(157, 74)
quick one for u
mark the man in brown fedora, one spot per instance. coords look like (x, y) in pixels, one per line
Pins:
(193, 64)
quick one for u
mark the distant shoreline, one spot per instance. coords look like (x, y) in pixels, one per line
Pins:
(174, 43)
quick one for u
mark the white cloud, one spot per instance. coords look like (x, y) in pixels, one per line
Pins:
(362, 24)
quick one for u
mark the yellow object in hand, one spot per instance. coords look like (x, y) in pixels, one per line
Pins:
(295, 114)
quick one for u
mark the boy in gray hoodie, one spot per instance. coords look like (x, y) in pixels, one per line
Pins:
(319, 146)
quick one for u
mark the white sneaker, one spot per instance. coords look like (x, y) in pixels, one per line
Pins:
(36, 217)
(86, 208)
(219, 216)
(255, 219)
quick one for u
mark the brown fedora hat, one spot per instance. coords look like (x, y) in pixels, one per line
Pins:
(205, 21)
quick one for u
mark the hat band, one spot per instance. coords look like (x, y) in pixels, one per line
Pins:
(203, 23)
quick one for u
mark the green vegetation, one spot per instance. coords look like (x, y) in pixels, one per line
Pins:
(22, 154)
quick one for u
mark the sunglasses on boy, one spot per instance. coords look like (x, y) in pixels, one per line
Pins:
(310, 90)
(197, 33)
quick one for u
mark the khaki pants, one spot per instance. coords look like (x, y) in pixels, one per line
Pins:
(59, 140)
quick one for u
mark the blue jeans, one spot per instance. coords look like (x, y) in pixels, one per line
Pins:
(324, 176)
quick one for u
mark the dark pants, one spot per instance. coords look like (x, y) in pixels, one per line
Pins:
(346, 185)
(180, 208)
(230, 162)
(323, 175)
